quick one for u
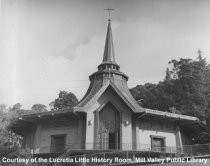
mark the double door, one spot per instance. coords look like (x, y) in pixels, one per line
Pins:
(109, 140)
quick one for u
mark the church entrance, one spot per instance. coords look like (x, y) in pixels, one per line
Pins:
(113, 142)
(109, 128)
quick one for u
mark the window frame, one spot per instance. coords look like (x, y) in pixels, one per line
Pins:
(162, 148)
(52, 148)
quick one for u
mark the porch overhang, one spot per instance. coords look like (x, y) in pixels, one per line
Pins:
(156, 114)
(28, 122)
(189, 124)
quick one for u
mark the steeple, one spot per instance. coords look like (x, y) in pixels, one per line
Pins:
(108, 76)
(108, 70)
(109, 62)
(109, 56)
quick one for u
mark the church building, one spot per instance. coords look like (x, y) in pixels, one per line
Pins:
(106, 118)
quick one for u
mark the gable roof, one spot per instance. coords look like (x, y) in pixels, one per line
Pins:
(94, 97)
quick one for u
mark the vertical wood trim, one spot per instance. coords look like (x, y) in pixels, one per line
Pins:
(96, 129)
(121, 143)
(137, 135)
(37, 139)
(133, 133)
(84, 128)
(178, 139)
(79, 134)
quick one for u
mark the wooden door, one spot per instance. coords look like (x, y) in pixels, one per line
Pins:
(57, 143)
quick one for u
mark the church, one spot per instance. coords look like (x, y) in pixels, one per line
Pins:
(106, 118)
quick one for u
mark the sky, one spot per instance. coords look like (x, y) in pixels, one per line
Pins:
(52, 45)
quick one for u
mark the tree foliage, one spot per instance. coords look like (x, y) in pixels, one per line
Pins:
(65, 100)
(186, 87)
(38, 108)
(8, 139)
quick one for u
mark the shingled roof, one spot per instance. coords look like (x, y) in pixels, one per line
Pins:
(109, 46)
(95, 93)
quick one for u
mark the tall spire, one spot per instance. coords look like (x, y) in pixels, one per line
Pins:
(109, 56)
(109, 64)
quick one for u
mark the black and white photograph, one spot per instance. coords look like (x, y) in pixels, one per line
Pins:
(104, 82)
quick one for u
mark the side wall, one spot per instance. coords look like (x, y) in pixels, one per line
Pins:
(167, 130)
(42, 137)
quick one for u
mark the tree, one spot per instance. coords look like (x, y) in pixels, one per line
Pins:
(16, 111)
(3, 123)
(155, 96)
(191, 83)
(168, 75)
(186, 88)
(8, 139)
(38, 108)
(65, 100)
(3, 107)
(16, 107)
(203, 138)
(143, 92)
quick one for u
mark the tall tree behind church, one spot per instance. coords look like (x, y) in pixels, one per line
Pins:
(192, 80)
(186, 87)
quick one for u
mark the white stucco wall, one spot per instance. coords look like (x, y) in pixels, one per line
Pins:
(144, 137)
(90, 130)
(43, 142)
(145, 133)
(126, 130)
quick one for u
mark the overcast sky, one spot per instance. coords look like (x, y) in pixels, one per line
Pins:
(52, 45)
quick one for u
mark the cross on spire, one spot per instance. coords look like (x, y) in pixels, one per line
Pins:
(109, 10)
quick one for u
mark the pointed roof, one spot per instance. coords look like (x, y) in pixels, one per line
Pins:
(92, 97)
(109, 56)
